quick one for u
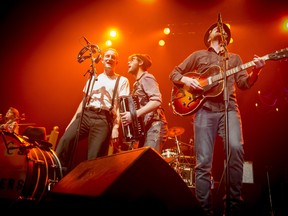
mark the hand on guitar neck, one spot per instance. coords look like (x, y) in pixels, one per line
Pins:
(259, 63)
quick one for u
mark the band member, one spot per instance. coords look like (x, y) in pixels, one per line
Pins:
(150, 99)
(209, 119)
(101, 118)
(11, 121)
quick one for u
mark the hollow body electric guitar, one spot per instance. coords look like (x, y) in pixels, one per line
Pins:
(186, 101)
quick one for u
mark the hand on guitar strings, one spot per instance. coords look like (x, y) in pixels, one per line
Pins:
(191, 83)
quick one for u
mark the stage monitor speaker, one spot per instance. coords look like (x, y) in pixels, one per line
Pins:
(135, 181)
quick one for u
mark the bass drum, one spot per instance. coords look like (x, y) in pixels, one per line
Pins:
(27, 171)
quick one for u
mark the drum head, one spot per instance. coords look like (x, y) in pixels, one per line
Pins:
(169, 155)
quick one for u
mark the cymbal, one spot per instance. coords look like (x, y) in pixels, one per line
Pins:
(175, 131)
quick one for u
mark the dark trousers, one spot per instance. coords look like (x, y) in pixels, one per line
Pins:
(95, 126)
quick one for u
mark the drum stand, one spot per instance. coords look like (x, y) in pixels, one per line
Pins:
(176, 164)
(180, 166)
(178, 161)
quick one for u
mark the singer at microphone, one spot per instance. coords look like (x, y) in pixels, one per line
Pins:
(221, 74)
(218, 27)
(95, 120)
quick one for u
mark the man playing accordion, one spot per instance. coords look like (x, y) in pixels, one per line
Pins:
(146, 91)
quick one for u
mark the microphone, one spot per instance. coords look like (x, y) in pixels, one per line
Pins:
(221, 30)
(88, 43)
(219, 22)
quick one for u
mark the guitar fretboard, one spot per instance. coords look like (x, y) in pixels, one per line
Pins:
(237, 69)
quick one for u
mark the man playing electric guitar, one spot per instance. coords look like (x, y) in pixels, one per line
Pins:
(209, 118)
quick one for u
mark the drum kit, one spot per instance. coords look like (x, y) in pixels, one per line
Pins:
(28, 170)
(182, 163)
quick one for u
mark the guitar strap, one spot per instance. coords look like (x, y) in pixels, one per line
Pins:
(110, 116)
(114, 92)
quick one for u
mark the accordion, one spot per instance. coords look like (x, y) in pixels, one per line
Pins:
(135, 130)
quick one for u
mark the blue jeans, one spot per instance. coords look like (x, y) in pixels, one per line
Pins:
(156, 135)
(207, 125)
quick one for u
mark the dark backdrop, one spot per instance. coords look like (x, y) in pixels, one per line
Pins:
(41, 77)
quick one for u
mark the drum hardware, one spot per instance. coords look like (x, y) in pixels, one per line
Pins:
(51, 183)
(176, 164)
(189, 160)
(186, 144)
(181, 163)
(188, 176)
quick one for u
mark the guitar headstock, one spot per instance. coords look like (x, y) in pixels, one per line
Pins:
(279, 54)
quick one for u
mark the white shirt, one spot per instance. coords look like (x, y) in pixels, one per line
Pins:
(101, 91)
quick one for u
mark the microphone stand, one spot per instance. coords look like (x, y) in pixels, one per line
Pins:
(226, 101)
(86, 99)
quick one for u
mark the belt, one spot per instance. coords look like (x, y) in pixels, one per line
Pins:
(96, 110)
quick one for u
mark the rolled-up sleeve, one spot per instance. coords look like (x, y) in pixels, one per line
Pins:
(151, 87)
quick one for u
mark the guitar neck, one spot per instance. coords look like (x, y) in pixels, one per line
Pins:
(237, 69)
